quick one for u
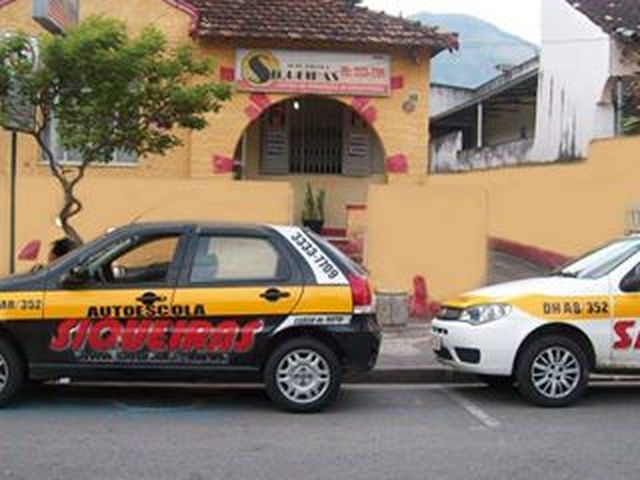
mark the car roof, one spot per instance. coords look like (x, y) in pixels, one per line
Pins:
(176, 225)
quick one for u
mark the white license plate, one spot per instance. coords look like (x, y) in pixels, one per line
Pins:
(437, 343)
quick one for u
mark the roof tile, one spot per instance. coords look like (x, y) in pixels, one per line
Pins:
(320, 22)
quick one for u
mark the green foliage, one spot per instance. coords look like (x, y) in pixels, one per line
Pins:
(110, 92)
(313, 204)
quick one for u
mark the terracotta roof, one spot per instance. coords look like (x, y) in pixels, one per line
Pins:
(317, 23)
(620, 18)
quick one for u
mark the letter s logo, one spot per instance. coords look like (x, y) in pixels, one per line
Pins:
(621, 329)
(62, 340)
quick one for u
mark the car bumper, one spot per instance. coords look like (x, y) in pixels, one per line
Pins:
(360, 343)
(484, 349)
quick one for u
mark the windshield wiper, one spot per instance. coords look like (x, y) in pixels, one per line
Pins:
(564, 273)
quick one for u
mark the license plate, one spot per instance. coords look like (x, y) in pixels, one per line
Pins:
(437, 343)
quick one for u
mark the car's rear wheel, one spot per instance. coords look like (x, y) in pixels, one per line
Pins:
(11, 372)
(303, 375)
(553, 371)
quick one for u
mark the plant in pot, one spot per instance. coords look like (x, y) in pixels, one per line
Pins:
(313, 211)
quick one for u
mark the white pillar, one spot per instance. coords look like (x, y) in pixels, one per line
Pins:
(480, 121)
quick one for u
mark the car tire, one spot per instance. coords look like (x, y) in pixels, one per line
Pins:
(497, 382)
(553, 371)
(12, 372)
(303, 375)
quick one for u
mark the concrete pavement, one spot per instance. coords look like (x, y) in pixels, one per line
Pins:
(405, 432)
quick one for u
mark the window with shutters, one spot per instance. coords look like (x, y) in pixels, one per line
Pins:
(72, 157)
(317, 136)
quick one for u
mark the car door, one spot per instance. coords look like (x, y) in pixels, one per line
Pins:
(240, 285)
(625, 342)
(114, 305)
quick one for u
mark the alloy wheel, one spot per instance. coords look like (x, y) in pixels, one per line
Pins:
(555, 372)
(303, 376)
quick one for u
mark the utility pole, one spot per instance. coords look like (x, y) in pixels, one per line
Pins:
(13, 167)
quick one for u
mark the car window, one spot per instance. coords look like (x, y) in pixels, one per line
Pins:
(235, 258)
(603, 261)
(134, 260)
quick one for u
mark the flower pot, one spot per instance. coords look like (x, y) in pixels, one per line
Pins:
(314, 225)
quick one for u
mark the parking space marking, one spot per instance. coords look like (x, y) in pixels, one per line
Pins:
(470, 407)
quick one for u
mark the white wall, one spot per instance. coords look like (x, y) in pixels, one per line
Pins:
(445, 97)
(575, 66)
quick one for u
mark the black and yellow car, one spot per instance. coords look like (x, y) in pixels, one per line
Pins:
(179, 301)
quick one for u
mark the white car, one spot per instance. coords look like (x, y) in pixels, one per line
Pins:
(547, 334)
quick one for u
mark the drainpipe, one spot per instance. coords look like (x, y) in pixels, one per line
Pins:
(480, 133)
(619, 110)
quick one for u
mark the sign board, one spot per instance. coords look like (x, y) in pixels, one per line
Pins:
(56, 16)
(18, 113)
(313, 72)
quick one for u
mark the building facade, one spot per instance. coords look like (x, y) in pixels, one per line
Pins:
(325, 93)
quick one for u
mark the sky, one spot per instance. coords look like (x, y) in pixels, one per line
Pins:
(520, 17)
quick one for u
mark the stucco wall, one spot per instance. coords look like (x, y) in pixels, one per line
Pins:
(113, 202)
(437, 232)
(566, 208)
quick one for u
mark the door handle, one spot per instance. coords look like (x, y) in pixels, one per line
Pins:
(274, 294)
(150, 298)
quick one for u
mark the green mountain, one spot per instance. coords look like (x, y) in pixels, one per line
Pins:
(483, 47)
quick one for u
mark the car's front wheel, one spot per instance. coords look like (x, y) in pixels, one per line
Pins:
(11, 372)
(303, 375)
(553, 371)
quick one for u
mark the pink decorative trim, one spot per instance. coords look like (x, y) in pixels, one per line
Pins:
(397, 82)
(227, 74)
(190, 10)
(356, 207)
(539, 256)
(398, 164)
(370, 114)
(30, 251)
(260, 100)
(221, 164)
(359, 103)
(253, 112)
(4, 3)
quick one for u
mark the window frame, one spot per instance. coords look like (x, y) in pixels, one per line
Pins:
(293, 277)
(53, 143)
(172, 273)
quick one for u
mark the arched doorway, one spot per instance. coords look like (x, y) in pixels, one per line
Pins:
(315, 141)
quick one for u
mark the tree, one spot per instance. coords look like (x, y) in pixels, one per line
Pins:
(108, 92)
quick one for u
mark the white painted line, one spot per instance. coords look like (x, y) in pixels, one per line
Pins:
(471, 408)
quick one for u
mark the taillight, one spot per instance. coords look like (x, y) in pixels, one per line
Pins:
(363, 301)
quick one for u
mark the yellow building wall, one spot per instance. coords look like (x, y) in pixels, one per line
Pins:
(566, 208)
(113, 202)
(437, 232)
(138, 14)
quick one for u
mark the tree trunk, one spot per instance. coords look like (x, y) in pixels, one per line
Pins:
(72, 206)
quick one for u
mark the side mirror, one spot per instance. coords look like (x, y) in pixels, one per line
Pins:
(76, 277)
(630, 283)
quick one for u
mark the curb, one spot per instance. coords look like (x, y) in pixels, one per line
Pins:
(412, 375)
(433, 375)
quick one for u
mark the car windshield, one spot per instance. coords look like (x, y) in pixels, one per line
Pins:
(602, 261)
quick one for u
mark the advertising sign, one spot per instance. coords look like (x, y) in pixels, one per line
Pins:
(56, 16)
(312, 72)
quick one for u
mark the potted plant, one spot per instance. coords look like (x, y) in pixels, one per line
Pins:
(313, 211)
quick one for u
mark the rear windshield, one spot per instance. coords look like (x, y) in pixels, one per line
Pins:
(348, 265)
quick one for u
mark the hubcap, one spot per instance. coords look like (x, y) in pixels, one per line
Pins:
(555, 372)
(4, 373)
(303, 376)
